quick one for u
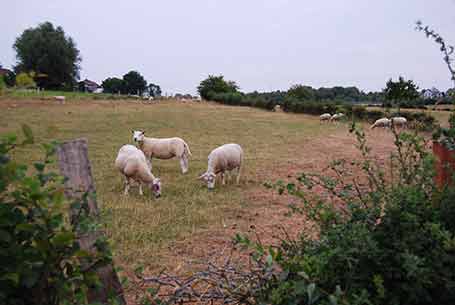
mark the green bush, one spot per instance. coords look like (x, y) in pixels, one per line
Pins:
(40, 258)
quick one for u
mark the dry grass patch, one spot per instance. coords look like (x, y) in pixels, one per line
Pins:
(140, 227)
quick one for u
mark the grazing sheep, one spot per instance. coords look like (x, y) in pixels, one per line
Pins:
(277, 108)
(384, 123)
(399, 121)
(336, 117)
(325, 117)
(131, 162)
(60, 99)
(163, 148)
(224, 158)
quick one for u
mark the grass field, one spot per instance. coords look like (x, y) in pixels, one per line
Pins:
(140, 227)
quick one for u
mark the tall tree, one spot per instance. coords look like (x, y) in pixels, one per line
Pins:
(215, 84)
(50, 53)
(402, 90)
(134, 83)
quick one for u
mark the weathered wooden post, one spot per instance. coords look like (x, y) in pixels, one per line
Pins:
(75, 166)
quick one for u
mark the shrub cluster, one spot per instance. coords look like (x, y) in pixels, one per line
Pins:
(41, 261)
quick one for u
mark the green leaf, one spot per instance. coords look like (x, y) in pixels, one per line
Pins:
(14, 277)
(63, 239)
(29, 139)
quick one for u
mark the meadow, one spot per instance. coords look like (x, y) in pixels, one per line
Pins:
(141, 227)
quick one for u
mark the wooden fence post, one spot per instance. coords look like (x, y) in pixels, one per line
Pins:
(74, 164)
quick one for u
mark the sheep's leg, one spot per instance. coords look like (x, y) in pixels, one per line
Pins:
(223, 177)
(127, 186)
(184, 164)
(238, 174)
(140, 189)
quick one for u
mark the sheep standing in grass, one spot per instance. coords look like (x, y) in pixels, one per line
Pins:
(222, 159)
(384, 123)
(336, 117)
(163, 148)
(399, 121)
(325, 117)
(131, 162)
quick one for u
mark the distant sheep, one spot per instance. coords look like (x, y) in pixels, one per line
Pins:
(384, 123)
(337, 116)
(224, 158)
(277, 108)
(60, 98)
(399, 121)
(163, 148)
(131, 162)
(325, 117)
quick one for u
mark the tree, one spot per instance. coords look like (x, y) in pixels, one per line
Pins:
(113, 85)
(214, 85)
(134, 83)
(51, 54)
(25, 80)
(154, 90)
(402, 90)
(301, 92)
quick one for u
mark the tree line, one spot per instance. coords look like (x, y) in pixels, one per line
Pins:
(48, 58)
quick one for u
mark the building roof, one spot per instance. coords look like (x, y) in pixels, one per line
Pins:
(90, 83)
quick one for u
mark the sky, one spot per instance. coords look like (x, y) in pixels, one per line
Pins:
(262, 45)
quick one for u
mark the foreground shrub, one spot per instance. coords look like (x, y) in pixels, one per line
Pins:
(384, 240)
(40, 258)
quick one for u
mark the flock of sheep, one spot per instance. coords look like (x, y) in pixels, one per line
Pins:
(135, 162)
(383, 122)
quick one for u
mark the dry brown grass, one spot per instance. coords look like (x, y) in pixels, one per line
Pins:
(141, 227)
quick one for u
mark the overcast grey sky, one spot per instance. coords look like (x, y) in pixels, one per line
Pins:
(262, 45)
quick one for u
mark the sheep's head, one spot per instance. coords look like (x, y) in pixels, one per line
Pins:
(138, 135)
(209, 178)
(155, 187)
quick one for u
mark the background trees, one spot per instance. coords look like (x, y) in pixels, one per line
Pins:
(47, 51)
(402, 90)
(113, 85)
(134, 83)
(131, 83)
(154, 90)
(215, 85)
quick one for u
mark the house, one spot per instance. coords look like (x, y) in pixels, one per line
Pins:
(88, 86)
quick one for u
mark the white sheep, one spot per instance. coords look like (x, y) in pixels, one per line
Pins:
(337, 116)
(131, 162)
(163, 148)
(383, 122)
(60, 99)
(277, 108)
(227, 157)
(325, 117)
(399, 121)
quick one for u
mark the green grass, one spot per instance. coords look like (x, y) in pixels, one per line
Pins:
(49, 94)
(140, 227)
